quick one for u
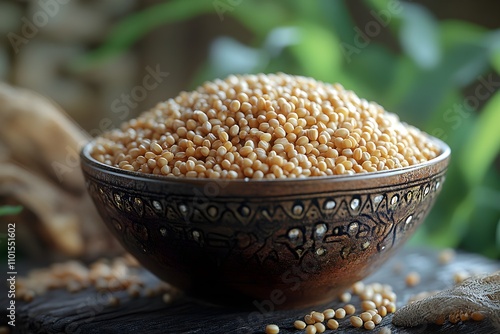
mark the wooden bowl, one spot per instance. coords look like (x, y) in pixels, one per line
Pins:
(286, 243)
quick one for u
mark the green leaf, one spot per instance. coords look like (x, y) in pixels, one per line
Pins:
(484, 144)
(318, 52)
(337, 16)
(134, 27)
(454, 32)
(374, 82)
(260, 17)
(10, 210)
(495, 61)
(404, 73)
(419, 36)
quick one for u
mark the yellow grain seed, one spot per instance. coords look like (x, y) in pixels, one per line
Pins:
(356, 321)
(377, 319)
(309, 319)
(477, 316)
(365, 316)
(339, 169)
(156, 148)
(311, 329)
(128, 167)
(235, 105)
(320, 328)
(358, 288)
(279, 132)
(340, 313)
(332, 324)
(368, 305)
(298, 324)
(242, 110)
(391, 307)
(349, 309)
(341, 132)
(271, 329)
(369, 325)
(318, 317)
(382, 311)
(377, 299)
(312, 134)
(412, 279)
(460, 276)
(329, 313)
(446, 256)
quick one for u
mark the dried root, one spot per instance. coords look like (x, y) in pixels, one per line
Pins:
(476, 294)
(39, 169)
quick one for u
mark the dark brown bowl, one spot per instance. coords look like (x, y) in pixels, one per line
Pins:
(292, 243)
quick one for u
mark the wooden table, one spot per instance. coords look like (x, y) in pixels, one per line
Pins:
(86, 311)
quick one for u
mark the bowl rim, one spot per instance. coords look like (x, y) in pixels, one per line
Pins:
(445, 153)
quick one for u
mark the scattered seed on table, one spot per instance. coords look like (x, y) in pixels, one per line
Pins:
(368, 305)
(460, 276)
(320, 328)
(358, 288)
(329, 313)
(382, 311)
(309, 319)
(332, 324)
(299, 324)
(318, 317)
(391, 308)
(349, 309)
(310, 329)
(272, 329)
(369, 325)
(412, 279)
(446, 256)
(377, 319)
(345, 297)
(366, 316)
(340, 313)
(356, 321)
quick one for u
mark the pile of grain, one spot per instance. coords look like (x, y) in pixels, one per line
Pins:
(264, 127)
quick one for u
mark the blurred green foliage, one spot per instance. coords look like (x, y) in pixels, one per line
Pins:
(9, 210)
(441, 76)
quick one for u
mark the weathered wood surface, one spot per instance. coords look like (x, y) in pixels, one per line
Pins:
(87, 311)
